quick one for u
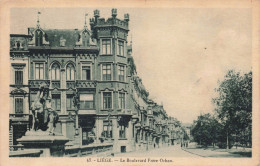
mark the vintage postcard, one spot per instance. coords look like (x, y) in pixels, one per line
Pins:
(130, 82)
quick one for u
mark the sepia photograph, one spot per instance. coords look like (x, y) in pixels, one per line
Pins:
(131, 85)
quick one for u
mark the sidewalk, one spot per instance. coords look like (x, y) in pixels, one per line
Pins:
(216, 152)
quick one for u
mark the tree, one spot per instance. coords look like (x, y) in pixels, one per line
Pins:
(234, 106)
(206, 130)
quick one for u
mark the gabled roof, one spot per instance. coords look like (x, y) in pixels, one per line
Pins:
(54, 36)
(70, 36)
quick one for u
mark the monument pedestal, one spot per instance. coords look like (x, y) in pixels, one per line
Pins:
(52, 145)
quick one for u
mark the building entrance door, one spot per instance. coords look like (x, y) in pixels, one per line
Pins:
(87, 136)
(87, 124)
(18, 132)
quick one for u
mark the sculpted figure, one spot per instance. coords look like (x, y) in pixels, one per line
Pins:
(44, 116)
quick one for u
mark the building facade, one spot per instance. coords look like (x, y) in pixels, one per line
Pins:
(95, 66)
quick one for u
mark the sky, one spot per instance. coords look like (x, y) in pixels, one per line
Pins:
(180, 53)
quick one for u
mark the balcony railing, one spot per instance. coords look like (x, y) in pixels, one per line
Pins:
(150, 113)
(36, 83)
(164, 122)
(55, 84)
(125, 112)
(20, 117)
(86, 84)
(70, 84)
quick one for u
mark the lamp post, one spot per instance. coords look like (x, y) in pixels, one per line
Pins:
(109, 124)
(76, 103)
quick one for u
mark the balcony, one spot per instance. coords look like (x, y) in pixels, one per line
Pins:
(150, 113)
(19, 117)
(70, 84)
(135, 116)
(146, 127)
(55, 84)
(37, 83)
(138, 125)
(86, 84)
(164, 122)
(126, 112)
(87, 112)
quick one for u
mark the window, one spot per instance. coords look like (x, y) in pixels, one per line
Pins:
(86, 73)
(107, 129)
(38, 38)
(19, 77)
(39, 71)
(106, 72)
(62, 42)
(107, 100)
(122, 131)
(70, 72)
(121, 73)
(69, 102)
(86, 101)
(55, 72)
(55, 102)
(122, 100)
(19, 105)
(106, 46)
(120, 48)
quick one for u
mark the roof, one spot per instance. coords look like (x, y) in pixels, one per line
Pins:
(69, 36)
(54, 36)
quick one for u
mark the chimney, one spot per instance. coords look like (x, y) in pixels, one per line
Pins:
(114, 13)
(126, 17)
(96, 14)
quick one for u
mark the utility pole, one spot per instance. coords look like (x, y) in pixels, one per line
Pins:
(227, 139)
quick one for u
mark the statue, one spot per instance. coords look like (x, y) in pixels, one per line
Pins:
(44, 116)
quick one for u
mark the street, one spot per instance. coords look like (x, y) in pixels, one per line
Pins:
(171, 151)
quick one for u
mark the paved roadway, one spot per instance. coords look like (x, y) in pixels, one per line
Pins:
(171, 151)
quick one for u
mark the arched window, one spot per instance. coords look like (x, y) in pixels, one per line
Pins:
(55, 72)
(70, 72)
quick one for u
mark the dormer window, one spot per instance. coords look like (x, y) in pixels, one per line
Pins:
(38, 38)
(62, 42)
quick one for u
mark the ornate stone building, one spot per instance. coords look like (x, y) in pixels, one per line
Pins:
(94, 65)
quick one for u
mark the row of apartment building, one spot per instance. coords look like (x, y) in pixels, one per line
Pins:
(96, 64)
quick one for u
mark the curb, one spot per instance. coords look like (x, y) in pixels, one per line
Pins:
(192, 152)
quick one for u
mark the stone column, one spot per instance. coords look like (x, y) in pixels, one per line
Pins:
(115, 129)
(63, 92)
(63, 128)
(129, 135)
(26, 105)
(129, 131)
(99, 128)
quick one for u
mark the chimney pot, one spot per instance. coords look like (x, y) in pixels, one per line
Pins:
(114, 12)
(127, 17)
(96, 13)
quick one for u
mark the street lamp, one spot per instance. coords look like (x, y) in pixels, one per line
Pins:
(76, 103)
(109, 124)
